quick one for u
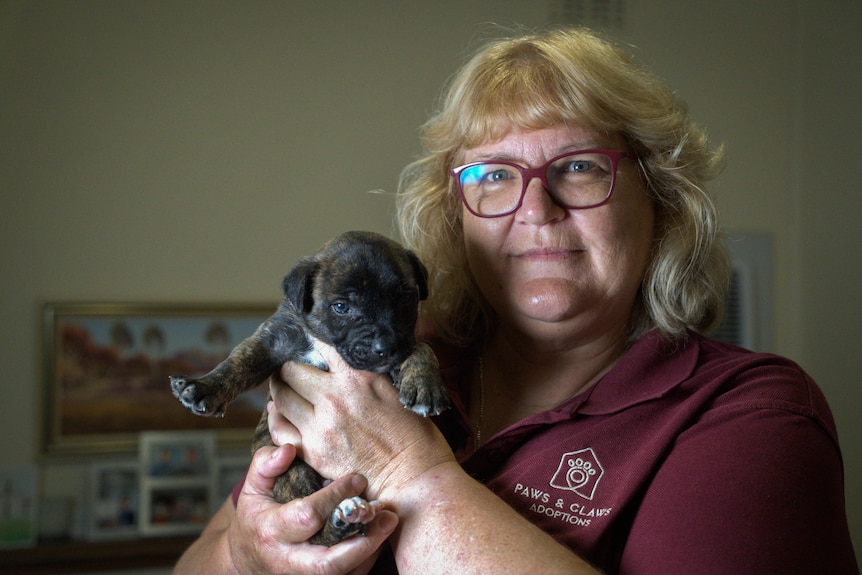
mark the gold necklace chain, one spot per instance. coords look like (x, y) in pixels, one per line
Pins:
(481, 401)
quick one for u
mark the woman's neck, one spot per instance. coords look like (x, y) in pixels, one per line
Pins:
(517, 378)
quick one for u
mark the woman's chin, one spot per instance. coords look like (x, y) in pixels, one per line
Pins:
(549, 299)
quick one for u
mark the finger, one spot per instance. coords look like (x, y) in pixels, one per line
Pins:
(267, 464)
(288, 402)
(354, 556)
(307, 515)
(281, 430)
(357, 555)
(303, 379)
(296, 375)
(308, 382)
(299, 375)
(327, 351)
(332, 357)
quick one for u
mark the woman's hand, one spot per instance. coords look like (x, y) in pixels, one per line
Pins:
(267, 537)
(346, 421)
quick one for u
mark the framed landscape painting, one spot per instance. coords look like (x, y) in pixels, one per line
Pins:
(107, 369)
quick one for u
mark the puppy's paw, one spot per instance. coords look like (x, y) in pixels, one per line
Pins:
(347, 520)
(425, 397)
(193, 395)
(419, 386)
(352, 513)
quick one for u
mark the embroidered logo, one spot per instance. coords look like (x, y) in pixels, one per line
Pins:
(579, 471)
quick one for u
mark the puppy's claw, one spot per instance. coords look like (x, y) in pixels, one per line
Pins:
(426, 407)
(424, 410)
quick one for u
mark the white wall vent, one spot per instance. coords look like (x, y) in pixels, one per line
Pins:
(748, 303)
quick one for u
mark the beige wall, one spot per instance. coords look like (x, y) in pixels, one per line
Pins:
(167, 151)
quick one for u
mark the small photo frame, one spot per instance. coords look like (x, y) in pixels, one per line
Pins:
(178, 472)
(177, 509)
(113, 500)
(175, 455)
(19, 506)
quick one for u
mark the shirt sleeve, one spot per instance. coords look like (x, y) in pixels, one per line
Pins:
(237, 489)
(748, 488)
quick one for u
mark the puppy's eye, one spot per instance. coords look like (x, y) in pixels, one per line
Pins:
(340, 307)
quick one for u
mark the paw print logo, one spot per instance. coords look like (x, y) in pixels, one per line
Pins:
(579, 471)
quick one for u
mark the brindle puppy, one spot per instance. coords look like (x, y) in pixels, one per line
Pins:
(359, 293)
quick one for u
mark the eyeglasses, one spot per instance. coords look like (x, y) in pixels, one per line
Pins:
(575, 180)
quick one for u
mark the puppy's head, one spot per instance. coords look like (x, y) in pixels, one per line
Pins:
(360, 293)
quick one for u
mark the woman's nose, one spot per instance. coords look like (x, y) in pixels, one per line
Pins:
(538, 206)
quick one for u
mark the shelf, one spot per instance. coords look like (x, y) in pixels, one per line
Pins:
(86, 557)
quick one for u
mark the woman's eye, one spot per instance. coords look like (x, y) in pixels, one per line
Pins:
(578, 166)
(497, 176)
(340, 307)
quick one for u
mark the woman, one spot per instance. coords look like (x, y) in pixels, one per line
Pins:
(573, 253)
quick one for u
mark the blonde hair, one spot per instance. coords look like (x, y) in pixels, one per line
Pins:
(569, 76)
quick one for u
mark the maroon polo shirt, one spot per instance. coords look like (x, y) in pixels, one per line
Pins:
(695, 457)
(688, 458)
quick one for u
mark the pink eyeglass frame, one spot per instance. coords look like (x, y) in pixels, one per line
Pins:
(540, 172)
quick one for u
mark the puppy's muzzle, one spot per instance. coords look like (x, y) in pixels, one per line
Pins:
(379, 353)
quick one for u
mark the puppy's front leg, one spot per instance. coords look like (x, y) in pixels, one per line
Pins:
(418, 381)
(249, 364)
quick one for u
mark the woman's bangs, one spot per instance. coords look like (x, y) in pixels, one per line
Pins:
(515, 104)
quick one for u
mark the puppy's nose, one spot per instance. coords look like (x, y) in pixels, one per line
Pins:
(380, 349)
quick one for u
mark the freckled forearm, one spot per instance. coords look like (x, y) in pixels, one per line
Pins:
(210, 553)
(450, 524)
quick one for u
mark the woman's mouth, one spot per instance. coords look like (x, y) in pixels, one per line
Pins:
(545, 254)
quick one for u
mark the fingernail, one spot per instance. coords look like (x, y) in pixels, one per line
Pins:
(276, 453)
(358, 483)
(388, 521)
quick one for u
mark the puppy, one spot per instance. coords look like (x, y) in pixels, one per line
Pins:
(359, 293)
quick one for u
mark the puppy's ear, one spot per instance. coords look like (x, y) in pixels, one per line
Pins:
(420, 273)
(298, 284)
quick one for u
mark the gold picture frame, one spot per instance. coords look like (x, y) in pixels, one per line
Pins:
(107, 367)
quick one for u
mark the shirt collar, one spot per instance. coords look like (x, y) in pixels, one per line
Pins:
(651, 368)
